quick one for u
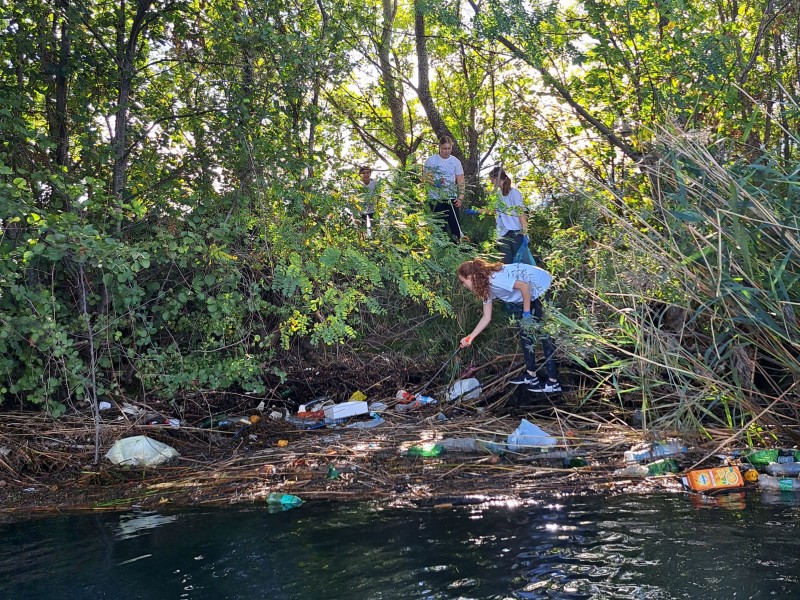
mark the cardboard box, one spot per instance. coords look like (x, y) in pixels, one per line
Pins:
(346, 409)
(721, 478)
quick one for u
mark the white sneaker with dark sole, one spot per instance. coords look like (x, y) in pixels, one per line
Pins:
(525, 379)
(546, 387)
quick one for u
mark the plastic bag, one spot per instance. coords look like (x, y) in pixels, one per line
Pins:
(524, 255)
(528, 435)
(467, 389)
(140, 451)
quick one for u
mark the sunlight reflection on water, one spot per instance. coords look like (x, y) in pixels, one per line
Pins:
(628, 547)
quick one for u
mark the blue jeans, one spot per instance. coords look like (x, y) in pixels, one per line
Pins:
(527, 339)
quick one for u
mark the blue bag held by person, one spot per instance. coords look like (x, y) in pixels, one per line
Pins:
(524, 254)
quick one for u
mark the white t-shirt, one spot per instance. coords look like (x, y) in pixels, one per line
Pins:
(501, 284)
(444, 173)
(369, 194)
(507, 215)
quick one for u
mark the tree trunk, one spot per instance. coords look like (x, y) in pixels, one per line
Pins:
(126, 54)
(59, 130)
(391, 87)
(426, 98)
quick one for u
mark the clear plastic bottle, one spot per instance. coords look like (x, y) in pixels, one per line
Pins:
(783, 484)
(788, 469)
(655, 451)
(788, 456)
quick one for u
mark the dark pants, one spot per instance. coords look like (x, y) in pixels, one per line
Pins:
(509, 245)
(527, 339)
(447, 209)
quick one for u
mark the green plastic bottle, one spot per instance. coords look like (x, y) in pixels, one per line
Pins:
(762, 457)
(662, 467)
(426, 450)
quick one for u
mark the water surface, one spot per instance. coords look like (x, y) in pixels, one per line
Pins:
(660, 547)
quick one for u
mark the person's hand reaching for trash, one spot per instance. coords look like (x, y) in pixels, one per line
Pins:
(466, 341)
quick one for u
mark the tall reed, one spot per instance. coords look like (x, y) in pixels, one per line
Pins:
(694, 314)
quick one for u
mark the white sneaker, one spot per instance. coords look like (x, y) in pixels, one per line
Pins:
(525, 379)
(546, 387)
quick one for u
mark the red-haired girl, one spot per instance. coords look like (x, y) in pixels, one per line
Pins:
(521, 286)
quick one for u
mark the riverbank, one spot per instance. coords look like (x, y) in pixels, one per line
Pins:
(48, 465)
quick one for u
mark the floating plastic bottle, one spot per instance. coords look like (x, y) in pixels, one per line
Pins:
(788, 469)
(425, 450)
(788, 456)
(283, 499)
(655, 451)
(662, 467)
(783, 484)
(762, 457)
(659, 467)
(633, 470)
(470, 445)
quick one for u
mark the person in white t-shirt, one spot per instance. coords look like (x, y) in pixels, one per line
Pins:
(445, 177)
(521, 286)
(512, 224)
(369, 190)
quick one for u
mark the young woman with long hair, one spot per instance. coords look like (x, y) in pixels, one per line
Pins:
(512, 223)
(521, 286)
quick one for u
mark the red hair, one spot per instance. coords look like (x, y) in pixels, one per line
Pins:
(480, 270)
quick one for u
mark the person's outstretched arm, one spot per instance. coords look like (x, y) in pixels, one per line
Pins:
(482, 324)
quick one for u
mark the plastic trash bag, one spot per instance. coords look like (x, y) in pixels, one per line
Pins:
(528, 436)
(140, 451)
(467, 389)
(524, 255)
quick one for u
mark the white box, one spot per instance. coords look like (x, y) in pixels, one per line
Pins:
(346, 409)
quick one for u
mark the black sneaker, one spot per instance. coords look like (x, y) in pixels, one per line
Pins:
(525, 379)
(546, 387)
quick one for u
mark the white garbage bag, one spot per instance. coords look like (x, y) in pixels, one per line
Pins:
(467, 389)
(140, 451)
(528, 436)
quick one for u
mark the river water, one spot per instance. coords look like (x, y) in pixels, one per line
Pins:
(649, 547)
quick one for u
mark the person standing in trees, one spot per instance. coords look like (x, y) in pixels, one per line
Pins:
(512, 224)
(521, 286)
(369, 190)
(445, 177)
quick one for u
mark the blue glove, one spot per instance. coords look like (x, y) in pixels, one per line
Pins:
(526, 315)
(470, 211)
(525, 240)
